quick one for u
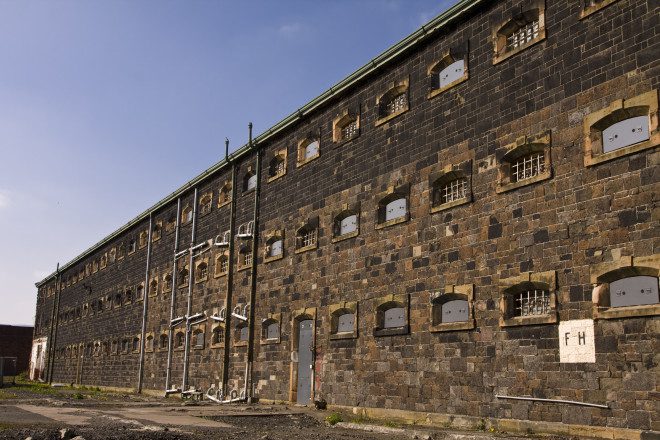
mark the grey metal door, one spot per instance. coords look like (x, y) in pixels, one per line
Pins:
(305, 361)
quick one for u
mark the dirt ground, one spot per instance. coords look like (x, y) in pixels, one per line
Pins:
(40, 412)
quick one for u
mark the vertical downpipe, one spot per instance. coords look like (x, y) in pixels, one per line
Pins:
(230, 276)
(54, 324)
(145, 306)
(253, 275)
(191, 281)
(170, 338)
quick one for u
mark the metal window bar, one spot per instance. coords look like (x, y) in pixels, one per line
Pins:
(532, 302)
(396, 104)
(309, 238)
(527, 167)
(224, 265)
(522, 35)
(454, 190)
(349, 130)
(247, 258)
(279, 167)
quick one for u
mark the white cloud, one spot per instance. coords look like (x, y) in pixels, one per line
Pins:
(289, 29)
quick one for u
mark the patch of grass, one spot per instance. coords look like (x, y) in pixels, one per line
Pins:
(6, 395)
(4, 426)
(391, 424)
(334, 418)
(78, 396)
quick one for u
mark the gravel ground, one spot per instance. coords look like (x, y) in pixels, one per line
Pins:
(41, 412)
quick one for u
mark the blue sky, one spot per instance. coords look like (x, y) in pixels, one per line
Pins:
(108, 106)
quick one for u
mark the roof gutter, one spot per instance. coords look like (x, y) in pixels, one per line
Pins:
(372, 66)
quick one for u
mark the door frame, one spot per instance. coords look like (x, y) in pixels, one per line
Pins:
(307, 313)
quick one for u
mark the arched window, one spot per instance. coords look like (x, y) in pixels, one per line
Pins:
(179, 340)
(393, 102)
(270, 329)
(132, 246)
(392, 316)
(525, 162)
(153, 287)
(306, 236)
(143, 237)
(343, 320)
(217, 335)
(156, 231)
(242, 333)
(139, 291)
(136, 344)
(520, 32)
(183, 276)
(224, 195)
(118, 300)
(346, 126)
(198, 338)
(528, 299)
(249, 180)
(167, 283)
(274, 246)
(129, 295)
(277, 166)
(186, 215)
(627, 287)
(393, 207)
(450, 71)
(162, 343)
(244, 257)
(205, 203)
(201, 271)
(346, 224)
(451, 187)
(626, 126)
(221, 264)
(452, 310)
(149, 343)
(309, 149)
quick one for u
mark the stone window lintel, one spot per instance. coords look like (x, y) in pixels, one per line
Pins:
(588, 10)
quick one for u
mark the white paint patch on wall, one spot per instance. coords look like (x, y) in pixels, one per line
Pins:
(577, 341)
(38, 358)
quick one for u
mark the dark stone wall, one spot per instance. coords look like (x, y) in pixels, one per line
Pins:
(16, 341)
(578, 218)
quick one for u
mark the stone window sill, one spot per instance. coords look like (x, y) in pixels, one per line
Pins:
(270, 341)
(225, 203)
(394, 221)
(591, 159)
(529, 320)
(306, 161)
(215, 346)
(435, 92)
(449, 205)
(242, 268)
(453, 326)
(501, 188)
(220, 275)
(340, 142)
(503, 56)
(197, 347)
(241, 344)
(378, 332)
(311, 247)
(274, 258)
(201, 280)
(344, 335)
(587, 11)
(626, 312)
(248, 191)
(345, 236)
(388, 118)
(275, 177)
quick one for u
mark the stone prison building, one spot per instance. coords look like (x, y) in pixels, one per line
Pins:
(464, 231)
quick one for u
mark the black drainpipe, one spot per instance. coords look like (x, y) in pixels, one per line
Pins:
(170, 333)
(253, 274)
(230, 276)
(145, 307)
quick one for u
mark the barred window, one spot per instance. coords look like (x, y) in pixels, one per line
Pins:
(311, 150)
(163, 342)
(522, 35)
(224, 264)
(349, 130)
(246, 258)
(216, 337)
(451, 191)
(396, 104)
(308, 238)
(532, 302)
(527, 167)
(202, 271)
(205, 204)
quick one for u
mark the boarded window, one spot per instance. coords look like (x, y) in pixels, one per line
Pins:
(199, 339)
(455, 311)
(396, 209)
(451, 73)
(634, 291)
(311, 150)
(275, 248)
(348, 224)
(394, 317)
(273, 331)
(624, 133)
(243, 335)
(251, 182)
(217, 335)
(346, 323)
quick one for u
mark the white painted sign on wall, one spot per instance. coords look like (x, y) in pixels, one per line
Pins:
(576, 341)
